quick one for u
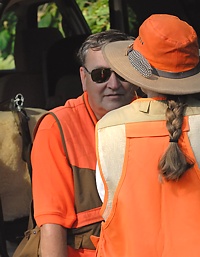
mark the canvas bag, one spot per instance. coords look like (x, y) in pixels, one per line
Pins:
(30, 244)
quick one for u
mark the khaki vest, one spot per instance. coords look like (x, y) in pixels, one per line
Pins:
(144, 217)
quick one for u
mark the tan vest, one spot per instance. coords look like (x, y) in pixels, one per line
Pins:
(144, 217)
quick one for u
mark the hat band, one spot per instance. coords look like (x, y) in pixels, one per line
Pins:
(176, 75)
(141, 64)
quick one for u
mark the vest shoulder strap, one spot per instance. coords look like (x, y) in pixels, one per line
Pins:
(59, 127)
(61, 134)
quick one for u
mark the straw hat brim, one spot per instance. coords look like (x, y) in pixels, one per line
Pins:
(115, 54)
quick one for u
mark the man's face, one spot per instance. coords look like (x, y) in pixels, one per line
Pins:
(106, 96)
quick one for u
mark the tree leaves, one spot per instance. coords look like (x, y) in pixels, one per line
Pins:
(96, 14)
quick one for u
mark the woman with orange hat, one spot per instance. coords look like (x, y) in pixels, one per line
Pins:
(149, 151)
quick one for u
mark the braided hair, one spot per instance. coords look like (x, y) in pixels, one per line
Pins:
(174, 163)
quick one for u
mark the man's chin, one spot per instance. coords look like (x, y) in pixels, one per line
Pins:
(112, 107)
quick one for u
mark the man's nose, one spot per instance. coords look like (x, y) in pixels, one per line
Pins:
(113, 82)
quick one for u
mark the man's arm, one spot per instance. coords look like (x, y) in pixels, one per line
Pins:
(53, 241)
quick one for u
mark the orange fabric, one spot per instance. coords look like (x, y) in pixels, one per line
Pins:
(168, 49)
(87, 217)
(149, 218)
(53, 186)
(80, 253)
(95, 240)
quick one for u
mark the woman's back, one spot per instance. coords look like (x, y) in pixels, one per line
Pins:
(149, 152)
(146, 215)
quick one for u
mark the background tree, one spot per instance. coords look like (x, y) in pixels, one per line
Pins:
(96, 14)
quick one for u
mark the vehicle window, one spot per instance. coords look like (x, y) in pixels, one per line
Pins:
(7, 37)
(96, 13)
(49, 16)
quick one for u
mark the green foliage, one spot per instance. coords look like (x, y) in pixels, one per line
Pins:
(4, 39)
(96, 14)
(7, 63)
(49, 16)
(7, 35)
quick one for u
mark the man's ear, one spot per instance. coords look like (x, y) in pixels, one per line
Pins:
(83, 78)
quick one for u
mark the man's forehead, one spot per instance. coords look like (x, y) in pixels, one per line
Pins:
(95, 57)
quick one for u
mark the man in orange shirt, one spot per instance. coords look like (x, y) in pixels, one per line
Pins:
(66, 202)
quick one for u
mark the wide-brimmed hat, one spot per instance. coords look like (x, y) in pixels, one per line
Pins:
(164, 57)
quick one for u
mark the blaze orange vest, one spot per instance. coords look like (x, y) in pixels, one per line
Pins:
(144, 217)
(76, 122)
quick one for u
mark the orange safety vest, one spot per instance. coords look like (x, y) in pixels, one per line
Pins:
(144, 217)
(77, 123)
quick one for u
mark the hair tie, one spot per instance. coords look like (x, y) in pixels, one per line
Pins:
(173, 140)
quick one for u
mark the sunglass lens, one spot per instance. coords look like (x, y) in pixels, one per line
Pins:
(101, 75)
(119, 77)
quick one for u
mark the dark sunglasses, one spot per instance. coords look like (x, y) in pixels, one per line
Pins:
(102, 75)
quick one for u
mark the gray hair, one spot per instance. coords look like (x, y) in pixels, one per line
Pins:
(98, 40)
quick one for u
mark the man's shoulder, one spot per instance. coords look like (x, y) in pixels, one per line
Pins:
(72, 107)
(67, 112)
(70, 104)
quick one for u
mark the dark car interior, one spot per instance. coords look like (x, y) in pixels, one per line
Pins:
(44, 57)
(126, 13)
(46, 69)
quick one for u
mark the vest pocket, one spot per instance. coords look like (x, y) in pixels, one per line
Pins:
(79, 238)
